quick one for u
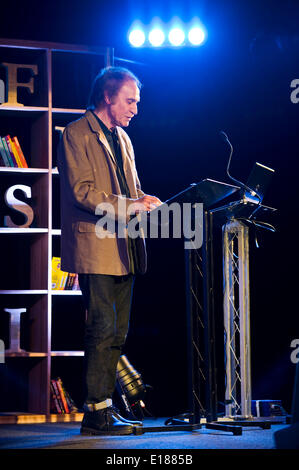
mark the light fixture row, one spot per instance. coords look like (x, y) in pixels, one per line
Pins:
(157, 36)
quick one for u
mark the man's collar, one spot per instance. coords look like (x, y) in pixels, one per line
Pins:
(103, 125)
(93, 121)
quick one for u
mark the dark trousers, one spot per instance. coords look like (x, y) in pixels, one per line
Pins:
(108, 303)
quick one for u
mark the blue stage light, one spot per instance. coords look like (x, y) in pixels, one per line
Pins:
(196, 36)
(176, 36)
(137, 37)
(156, 37)
(155, 34)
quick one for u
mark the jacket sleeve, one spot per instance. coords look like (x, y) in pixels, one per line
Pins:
(77, 178)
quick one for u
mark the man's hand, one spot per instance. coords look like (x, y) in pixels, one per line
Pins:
(149, 202)
(145, 204)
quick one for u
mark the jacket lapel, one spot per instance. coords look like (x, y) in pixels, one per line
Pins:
(127, 160)
(123, 151)
(95, 127)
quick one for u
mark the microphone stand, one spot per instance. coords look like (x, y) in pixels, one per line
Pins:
(243, 185)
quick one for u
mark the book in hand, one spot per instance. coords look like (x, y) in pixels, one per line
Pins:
(62, 280)
(11, 154)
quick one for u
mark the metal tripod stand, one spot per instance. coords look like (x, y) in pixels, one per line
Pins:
(236, 309)
(236, 306)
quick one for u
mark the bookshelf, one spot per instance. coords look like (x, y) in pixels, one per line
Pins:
(51, 89)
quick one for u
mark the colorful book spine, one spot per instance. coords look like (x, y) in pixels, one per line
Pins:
(76, 283)
(4, 158)
(12, 155)
(62, 280)
(23, 161)
(70, 281)
(71, 404)
(62, 395)
(61, 401)
(55, 397)
(7, 152)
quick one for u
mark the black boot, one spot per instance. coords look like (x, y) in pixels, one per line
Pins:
(104, 422)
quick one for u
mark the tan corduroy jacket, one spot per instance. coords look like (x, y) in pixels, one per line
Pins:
(88, 177)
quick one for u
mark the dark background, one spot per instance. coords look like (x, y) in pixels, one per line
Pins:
(238, 81)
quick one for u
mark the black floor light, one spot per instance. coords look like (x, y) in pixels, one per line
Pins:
(131, 388)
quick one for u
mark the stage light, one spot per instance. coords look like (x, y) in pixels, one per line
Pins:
(156, 37)
(137, 37)
(173, 34)
(176, 36)
(129, 380)
(196, 36)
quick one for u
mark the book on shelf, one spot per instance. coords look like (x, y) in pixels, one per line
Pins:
(5, 154)
(62, 280)
(55, 404)
(62, 395)
(19, 150)
(11, 153)
(61, 402)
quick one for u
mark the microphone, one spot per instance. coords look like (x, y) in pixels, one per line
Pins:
(243, 185)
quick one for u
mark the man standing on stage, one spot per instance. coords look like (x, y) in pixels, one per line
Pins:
(97, 169)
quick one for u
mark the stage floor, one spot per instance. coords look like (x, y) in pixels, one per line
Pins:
(67, 436)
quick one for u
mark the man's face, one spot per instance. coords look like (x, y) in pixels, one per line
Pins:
(122, 107)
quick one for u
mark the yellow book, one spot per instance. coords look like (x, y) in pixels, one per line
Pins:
(22, 159)
(63, 280)
(16, 154)
(56, 273)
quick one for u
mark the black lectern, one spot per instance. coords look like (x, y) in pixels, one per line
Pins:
(200, 300)
(200, 305)
(200, 314)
